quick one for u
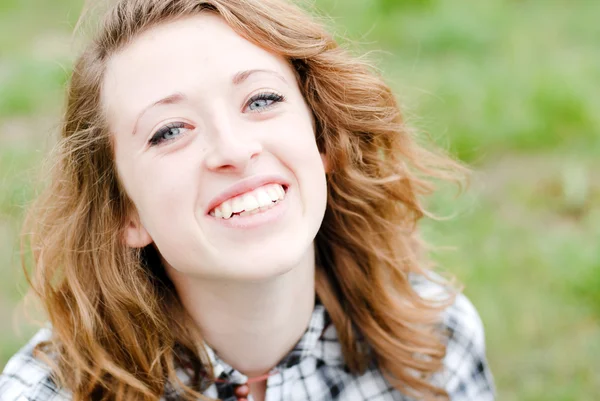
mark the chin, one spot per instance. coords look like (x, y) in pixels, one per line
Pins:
(262, 275)
(259, 266)
(263, 270)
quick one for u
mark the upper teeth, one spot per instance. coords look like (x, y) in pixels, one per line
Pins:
(259, 199)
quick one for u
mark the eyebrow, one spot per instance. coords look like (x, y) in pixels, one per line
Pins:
(175, 98)
(179, 97)
(241, 76)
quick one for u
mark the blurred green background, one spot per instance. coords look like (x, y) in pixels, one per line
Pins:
(510, 86)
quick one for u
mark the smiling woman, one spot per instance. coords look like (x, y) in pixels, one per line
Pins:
(232, 216)
(229, 124)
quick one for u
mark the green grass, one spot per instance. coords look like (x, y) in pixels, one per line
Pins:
(488, 76)
(509, 86)
(29, 86)
(529, 257)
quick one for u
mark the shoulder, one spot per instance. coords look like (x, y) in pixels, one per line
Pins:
(26, 378)
(466, 374)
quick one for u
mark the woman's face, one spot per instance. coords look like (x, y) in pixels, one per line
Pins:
(215, 146)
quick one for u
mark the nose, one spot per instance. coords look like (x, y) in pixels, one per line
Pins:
(231, 150)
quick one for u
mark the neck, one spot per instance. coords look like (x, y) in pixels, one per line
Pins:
(251, 325)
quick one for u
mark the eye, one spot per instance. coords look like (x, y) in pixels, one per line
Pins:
(168, 133)
(262, 101)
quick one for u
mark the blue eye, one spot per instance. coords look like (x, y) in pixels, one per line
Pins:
(168, 133)
(263, 101)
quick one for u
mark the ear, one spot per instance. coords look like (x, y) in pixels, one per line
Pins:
(326, 163)
(135, 234)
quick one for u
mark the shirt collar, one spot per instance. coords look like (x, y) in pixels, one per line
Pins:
(307, 346)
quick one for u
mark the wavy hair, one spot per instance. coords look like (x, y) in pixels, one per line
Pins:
(119, 329)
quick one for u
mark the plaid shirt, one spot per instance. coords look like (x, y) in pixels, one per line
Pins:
(314, 370)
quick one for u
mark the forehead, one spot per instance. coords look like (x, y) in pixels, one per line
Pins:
(193, 54)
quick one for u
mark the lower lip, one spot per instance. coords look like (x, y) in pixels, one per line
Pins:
(261, 218)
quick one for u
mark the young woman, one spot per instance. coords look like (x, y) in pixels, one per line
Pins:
(232, 216)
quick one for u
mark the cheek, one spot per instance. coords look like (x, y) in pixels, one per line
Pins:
(299, 152)
(303, 153)
(159, 189)
(296, 136)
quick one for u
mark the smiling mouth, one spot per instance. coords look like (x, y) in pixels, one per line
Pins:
(255, 201)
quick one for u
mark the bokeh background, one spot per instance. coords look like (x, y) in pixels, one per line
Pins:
(511, 87)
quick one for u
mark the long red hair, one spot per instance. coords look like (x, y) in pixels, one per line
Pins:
(119, 330)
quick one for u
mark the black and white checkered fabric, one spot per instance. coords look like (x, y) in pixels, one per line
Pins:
(313, 371)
